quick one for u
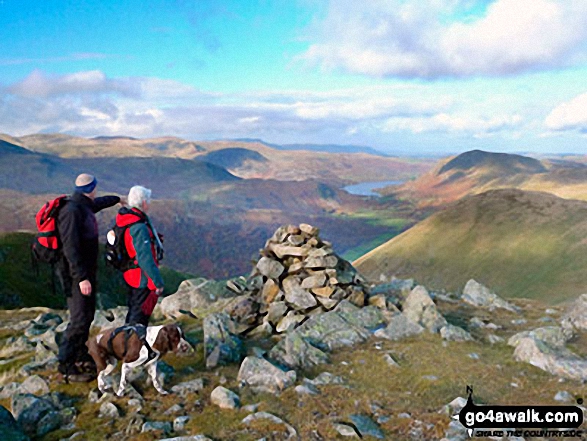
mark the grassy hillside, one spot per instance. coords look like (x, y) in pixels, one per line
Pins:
(21, 286)
(521, 244)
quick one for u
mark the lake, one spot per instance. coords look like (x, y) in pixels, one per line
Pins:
(366, 188)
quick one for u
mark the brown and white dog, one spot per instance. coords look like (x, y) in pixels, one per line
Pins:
(161, 339)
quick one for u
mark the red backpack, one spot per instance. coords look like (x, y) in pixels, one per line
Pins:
(47, 245)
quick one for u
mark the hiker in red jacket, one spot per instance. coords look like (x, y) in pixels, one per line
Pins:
(76, 270)
(145, 250)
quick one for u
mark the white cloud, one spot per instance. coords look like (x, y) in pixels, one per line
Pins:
(91, 104)
(40, 85)
(455, 123)
(571, 115)
(435, 38)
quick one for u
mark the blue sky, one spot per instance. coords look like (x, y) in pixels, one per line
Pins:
(410, 76)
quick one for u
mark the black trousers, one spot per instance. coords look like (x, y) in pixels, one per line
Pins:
(81, 314)
(141, 302)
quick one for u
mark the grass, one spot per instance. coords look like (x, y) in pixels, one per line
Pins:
(531, 247)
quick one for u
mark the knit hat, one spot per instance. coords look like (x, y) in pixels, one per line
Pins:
(85, 183)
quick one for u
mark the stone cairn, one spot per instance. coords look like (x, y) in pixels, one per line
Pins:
(297, 275)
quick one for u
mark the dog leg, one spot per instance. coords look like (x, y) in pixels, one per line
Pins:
(128, 367)
(124, 371)
(152, 371)
(109, 368)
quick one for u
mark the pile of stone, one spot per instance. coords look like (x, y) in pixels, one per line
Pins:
(298, 275)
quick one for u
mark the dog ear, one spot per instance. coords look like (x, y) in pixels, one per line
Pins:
(173, 337)
(161, 343)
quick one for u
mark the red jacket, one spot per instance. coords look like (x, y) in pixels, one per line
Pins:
(141, 247)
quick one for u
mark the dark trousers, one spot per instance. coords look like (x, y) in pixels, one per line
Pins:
(141, 302)
(81, 314)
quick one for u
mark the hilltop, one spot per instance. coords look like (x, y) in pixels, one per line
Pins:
(469, 173)
(256, 159)
(523, 244)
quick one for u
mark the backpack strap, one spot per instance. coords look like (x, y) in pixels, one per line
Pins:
(141, 332)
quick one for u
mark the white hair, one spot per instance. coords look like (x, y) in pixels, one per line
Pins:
(137, 195)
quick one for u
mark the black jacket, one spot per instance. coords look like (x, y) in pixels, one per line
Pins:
(78, 231)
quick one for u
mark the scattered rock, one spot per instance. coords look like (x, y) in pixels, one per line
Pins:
(109, 410)
(179, 423)
(187, 387)
(564, 396)
(157, 426)
(225, 398)
(366, 426)
(454, 333)
(345, 430)
(261, 375)
(291, 432)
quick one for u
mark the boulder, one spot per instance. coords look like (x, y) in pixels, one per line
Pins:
(369, 317)
(296, 353)
(291, 432)
(553, 336)
(263, 376)
(454, 333)
(192, 386)
(225, 398)
(221, 346)
(560, 362)
(9, 427)
(399, 327)
(329, 331)
(420, 308)
(366, 426)
(195, 295)
(478, 295)
(29, 410)
(576, 314)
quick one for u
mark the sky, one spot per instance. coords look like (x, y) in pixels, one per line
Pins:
(402, 76)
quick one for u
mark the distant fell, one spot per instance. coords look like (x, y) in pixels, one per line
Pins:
(498, 162)
(522, 244)
(232, 157)
(471, 172)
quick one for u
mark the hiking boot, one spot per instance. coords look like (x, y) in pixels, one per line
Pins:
(73, 373)
(79, 378)
(87, 367)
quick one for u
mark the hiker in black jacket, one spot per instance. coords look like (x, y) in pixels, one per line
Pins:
(78, 231)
